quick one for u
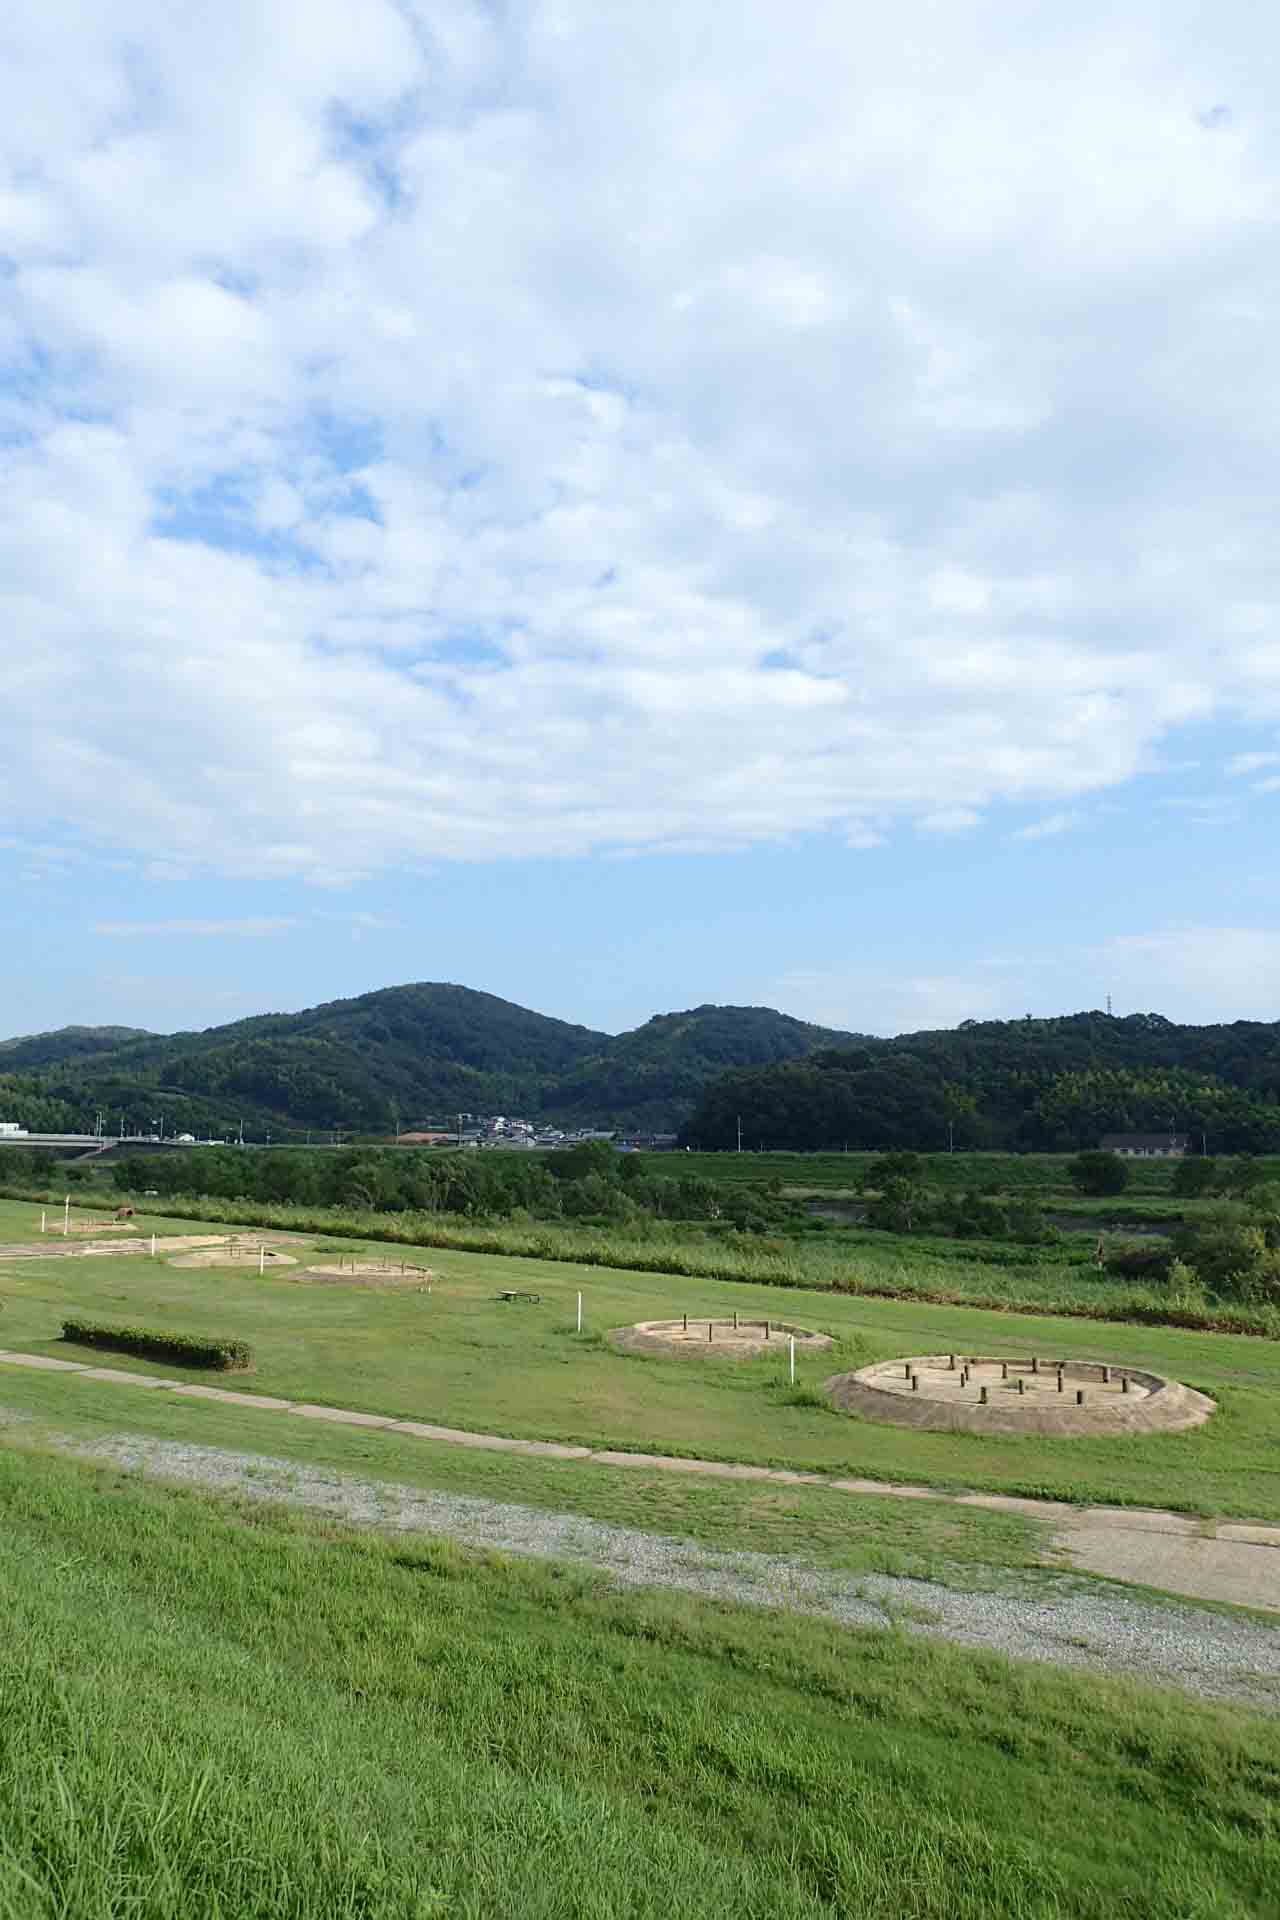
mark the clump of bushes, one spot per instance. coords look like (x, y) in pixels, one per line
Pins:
(1149, 1261)
(183, 1349)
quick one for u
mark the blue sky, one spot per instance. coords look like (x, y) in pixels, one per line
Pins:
(622, 507)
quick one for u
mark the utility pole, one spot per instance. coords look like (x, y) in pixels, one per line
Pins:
(951, 1136)
(739, 1133)
(459, 1129)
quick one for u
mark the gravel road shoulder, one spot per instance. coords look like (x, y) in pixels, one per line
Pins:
(1064, 1621)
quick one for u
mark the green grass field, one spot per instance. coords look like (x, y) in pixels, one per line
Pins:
(210, 1711)
(459, 1358)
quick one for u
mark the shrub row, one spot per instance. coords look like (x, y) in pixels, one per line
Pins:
(183, 1349)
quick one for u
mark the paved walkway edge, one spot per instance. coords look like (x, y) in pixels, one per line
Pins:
(1234, 1561)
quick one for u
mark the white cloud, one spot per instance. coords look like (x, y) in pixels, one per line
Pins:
(1245, 763)
(248, 929)
(950, 820)
(1194, 973)
(1052, 825)
(565, 428)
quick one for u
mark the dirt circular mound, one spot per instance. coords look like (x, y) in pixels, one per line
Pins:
(371, 1273)
(1033, 1394)
(244, 1255)
(735, 1338)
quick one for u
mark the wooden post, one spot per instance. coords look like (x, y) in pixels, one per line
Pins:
(1004, 1369)
(951, 1364)
(735, 1319)
(1059, 1379)
(686, 1323)
(1079, 1396)
(1106, 1375)
(915, 1383)
(1035, 1363)
(1022, 1383)
(766, 1329)
(906, 1368)
(982, 1396)
(709, 1327)
(1124, 1383)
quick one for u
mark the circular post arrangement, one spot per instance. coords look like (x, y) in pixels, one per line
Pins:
(986, 1394)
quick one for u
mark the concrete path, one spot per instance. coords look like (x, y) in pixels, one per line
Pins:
(1205, 1560)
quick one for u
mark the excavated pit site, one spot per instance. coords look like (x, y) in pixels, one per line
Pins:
(1031, 1394)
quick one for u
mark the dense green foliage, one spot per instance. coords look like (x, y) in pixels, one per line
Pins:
(1098, 1173)
(403, 1056)
(148, 1343)
(207, 1710)
(1029, 1085)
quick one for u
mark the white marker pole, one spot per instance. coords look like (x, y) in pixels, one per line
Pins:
(579, 1313)
(793, 1360)
(66, 1214)
(153, 1246)
(43, 1228)
(262, 1260)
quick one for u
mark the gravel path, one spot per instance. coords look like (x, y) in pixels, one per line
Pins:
(1065, 1622)
(1235, 1561)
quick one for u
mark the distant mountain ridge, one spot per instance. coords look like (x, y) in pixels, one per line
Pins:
(399, 1056)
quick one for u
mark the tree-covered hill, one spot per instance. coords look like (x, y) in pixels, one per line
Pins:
(408, 1055)
(29, 1051)
(1033, 1085)
(405, 1055)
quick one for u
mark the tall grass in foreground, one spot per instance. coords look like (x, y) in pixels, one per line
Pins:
(206, 1714)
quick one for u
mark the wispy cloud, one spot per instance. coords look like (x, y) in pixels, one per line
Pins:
(1051, 825)
(248, 929)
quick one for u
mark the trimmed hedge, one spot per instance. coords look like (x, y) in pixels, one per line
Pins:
(183, 1349)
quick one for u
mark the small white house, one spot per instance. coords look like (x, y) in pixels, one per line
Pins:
(10, 1130)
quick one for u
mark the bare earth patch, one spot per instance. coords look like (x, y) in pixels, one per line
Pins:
(371, 1273)
(1032, 1394)
(736, 1338)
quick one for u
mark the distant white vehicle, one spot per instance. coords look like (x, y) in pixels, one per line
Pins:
(10, 1130)
(185, 1139)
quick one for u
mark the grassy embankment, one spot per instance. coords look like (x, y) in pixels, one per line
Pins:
(999, 1274)
(458, 1357)
(212, 1711)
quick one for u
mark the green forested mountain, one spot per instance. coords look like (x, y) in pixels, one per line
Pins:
(404, 1055)
(38, 1050)
(1034, 1085)
(407, 1055)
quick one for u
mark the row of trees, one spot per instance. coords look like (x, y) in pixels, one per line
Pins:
(588, 1182)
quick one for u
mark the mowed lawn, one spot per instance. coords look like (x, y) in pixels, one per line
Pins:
(207, 1710)
(460, 1358)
